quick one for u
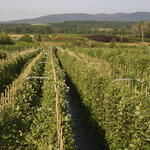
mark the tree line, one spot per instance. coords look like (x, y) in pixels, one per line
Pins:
(138, 29)
(141, 29)
(75, 27)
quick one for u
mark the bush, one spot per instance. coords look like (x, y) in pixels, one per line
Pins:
(37, 37)
(3, 54)
(26, 38)
(112, 43)
(45, 38)
(5, 39)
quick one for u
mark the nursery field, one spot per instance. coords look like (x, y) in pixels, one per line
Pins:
(113, 85)
(75, 93)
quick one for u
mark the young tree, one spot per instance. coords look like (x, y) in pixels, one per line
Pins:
(143, 25)
(123, 31)
(27, 30)
(17, 29)
(4, 29)
(135, 30)
(115, 31)
(66, 30)
(47, 30)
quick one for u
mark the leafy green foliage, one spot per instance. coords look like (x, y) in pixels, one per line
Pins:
(121, 110)
(3, 54)
(26, 38)
(12, 68)
(5, 39)
(135, 58)
(17, 118)
(18, 47)
(37, 37)
(30, 122)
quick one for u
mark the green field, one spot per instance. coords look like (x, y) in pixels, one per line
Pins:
(59, 91)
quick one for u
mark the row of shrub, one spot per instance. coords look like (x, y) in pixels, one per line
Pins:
(120, 111)
(16, 119)
(18, 47)
(44, 129)
(31, 121)
(11, 68)
(107, 39)
(135, 58)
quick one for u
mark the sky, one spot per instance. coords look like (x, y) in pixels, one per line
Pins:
(24, 9)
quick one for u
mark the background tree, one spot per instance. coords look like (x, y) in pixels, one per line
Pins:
(135, 30)
(17, 29)
(123, 31)
(115, 31)
(27, 30)
(143, 25)
(66, 30)
(47, 30)
(4, 29)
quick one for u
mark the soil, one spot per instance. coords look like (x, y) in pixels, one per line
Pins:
(82, 136)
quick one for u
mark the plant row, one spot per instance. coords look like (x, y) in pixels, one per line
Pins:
(17, 47)
(44, 130)
(10, 69)
(107, 39)
(31, 121)
(135, 61)
(17, 118)
(120, 109)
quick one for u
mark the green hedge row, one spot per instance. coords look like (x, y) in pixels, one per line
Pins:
(120, 110)
(16, 119)
(10, 69)
(43, 133)
(31, 122)
(18, 47)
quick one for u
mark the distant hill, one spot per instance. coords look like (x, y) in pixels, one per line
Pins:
(93, 24)
(137, 16)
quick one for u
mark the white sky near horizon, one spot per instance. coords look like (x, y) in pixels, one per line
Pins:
(24, 9)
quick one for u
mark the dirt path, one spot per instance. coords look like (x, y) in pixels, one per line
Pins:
(82, 137)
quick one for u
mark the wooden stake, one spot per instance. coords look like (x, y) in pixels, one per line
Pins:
(61, 143)
(13, 89)
(129, 84)
(146, 91)
(126, 84)
(142, 88)
(8, 95)
(135, 89)
(5, 97)
(57, 112)
(132, 89)
(60, 127)
(2, 100)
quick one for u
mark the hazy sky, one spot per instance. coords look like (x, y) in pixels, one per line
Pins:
(20, 9)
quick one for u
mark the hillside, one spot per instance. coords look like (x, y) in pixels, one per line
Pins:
(137, 16)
